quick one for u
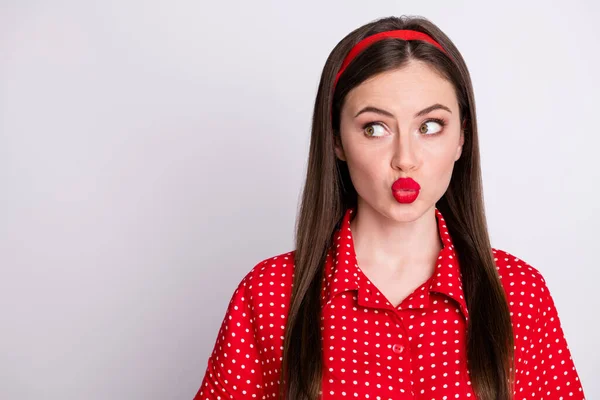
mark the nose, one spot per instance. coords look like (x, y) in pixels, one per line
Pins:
(404, 155)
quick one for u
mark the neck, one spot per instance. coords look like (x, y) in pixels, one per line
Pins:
(410, 246)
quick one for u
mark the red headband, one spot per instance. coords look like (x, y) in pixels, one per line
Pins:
(369, 40)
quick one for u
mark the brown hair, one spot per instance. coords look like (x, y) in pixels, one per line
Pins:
(328, 192)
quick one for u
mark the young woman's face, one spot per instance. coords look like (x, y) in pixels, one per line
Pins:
(383, 138)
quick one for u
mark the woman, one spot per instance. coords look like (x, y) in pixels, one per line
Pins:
(393, 290)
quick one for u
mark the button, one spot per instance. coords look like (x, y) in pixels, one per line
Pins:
(397, 348)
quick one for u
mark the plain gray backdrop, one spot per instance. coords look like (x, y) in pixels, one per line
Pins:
(151, 153)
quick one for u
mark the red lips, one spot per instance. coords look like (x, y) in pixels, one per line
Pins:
(406, 184)
(405, 190)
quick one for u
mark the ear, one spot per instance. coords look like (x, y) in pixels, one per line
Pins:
(339, 149)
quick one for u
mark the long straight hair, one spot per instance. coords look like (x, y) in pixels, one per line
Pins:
(328, 192)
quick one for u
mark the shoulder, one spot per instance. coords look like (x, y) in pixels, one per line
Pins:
(249, 342)
(269, 280)
(512, 269)
(525, 287)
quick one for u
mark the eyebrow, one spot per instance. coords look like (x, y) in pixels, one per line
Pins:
(389, 114)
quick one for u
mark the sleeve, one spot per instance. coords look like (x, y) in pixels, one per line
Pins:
(550, 372)
(234, 366)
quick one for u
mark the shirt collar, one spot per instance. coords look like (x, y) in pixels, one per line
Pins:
(342, 272)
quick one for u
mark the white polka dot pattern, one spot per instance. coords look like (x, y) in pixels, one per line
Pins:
(373, 350)
(544, 368)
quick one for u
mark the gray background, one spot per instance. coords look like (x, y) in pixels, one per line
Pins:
(151, 153)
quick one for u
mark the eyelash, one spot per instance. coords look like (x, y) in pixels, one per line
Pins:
(440, 121)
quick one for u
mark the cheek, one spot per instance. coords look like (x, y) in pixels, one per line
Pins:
(361, 167)
(440, 156)
(365, 168)
(442, 162)
(440, 170)
(364, 160)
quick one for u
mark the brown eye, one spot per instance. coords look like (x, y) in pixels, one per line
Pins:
(371, 130)
(425, 130)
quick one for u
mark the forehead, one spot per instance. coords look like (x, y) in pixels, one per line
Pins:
(402, 91)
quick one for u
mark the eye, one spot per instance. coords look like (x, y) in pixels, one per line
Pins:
(371, 130)
(424, 129)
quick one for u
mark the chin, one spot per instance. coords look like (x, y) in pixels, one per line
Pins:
(406, 212)
(399, 212)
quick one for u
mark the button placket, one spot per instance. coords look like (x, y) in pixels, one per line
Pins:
(398, 349)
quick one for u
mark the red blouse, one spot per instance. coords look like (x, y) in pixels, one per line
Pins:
(373, 350)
